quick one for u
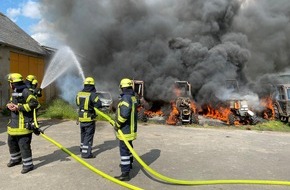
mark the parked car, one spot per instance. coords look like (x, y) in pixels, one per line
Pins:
(106, 99)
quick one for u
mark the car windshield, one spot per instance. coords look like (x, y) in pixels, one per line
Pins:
(288, 93)
(104, 95)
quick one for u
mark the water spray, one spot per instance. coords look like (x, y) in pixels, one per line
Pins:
(64, 60)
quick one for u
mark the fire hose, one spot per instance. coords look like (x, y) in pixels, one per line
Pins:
(153, 172)
(129, 186)
(191, 182)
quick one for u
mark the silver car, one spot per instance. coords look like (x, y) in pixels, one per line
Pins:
(106, 99)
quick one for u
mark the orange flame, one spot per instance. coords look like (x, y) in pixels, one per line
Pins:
(268, 113)
(173, 117)
(221, 113)
(154, 114)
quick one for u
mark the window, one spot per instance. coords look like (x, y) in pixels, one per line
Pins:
(281, 93)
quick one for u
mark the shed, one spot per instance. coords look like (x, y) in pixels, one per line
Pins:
(20, 53)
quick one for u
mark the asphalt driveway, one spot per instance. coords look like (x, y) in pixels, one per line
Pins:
(177, 152)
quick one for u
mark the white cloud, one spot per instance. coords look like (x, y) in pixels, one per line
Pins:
(41, 26)
(46, 39)
(40, 29)
(42, 33)
(13, 13)
(41, 37)
(31, 9)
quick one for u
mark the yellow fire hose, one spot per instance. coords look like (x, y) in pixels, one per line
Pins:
(153, 172)
(129, 186)
(191, 182)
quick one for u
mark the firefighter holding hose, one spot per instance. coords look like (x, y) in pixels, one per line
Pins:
(31, 83)
(22, 105)
(89, 104)
(126, 121)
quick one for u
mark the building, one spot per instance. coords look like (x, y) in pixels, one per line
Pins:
(20, 53)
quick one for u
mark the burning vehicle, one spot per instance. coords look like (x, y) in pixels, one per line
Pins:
(183, 108)
(281, 102)
(240, 111)
(138, 87)
(234, 110)
(276, 102)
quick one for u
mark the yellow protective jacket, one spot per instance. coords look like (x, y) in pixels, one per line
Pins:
(21, 120)
(127, 115)
(89, 105)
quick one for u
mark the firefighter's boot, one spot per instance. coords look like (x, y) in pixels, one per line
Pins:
(13, 163)
(27, 169)
(123, 177)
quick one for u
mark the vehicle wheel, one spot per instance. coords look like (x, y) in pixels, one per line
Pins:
(268, 114)
(254, 120)
(142, 116)
(231, 119)
(194, 119)
(276, 113)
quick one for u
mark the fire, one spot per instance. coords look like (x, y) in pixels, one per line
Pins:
(173, 117)
(153, 114)
(193, 107)
(150, 113)
(221, 113)
(268, 113)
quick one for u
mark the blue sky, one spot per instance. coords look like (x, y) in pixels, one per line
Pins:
(27, 15)
(24, 13)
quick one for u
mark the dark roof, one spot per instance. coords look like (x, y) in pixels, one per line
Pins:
(13, 35)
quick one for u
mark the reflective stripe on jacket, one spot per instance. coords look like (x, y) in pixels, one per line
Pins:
(127, 116)
(88, 102)
(22, 118)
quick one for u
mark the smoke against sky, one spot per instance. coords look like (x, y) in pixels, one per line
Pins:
(204, 42)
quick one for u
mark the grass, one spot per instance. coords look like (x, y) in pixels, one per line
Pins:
(262, 126)
(271, 126)
(60, 109)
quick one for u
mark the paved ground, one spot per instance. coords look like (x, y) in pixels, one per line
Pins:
(177, 152)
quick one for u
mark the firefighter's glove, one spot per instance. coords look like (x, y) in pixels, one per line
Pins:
(38, 92)
(36, 131)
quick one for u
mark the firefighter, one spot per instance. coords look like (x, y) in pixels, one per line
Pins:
(126, 121)
(31, 83)
(36, 91)
(89, 104)
(28, 81)
(22, 105)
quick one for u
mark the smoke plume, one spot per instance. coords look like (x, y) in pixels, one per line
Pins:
(204, 42)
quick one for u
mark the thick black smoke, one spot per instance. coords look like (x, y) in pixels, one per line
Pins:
(204, 42)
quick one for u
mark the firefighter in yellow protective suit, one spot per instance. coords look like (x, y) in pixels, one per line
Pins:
(89, 104)
(28, 81)
(22, 105)
(126, 121)
(31, 83)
